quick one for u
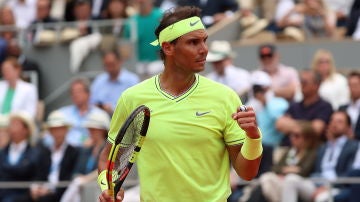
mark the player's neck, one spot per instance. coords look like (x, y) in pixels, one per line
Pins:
(174, 84)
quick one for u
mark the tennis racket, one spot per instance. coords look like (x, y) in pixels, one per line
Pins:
(127, 146)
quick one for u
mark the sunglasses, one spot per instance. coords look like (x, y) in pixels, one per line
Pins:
(264, 56)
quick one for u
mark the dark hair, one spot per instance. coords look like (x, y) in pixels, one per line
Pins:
(174, 15)
(354, 74)
(347, 117)
(258, 89)
(14, 62)
(316, 77)
(111, 51)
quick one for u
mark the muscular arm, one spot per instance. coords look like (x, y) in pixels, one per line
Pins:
(103, 157)
(246, 169)
(102, 165)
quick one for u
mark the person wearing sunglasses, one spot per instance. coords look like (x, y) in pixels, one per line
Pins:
(285, 79)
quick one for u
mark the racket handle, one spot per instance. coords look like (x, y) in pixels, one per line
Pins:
(111, 193)
(116, 189)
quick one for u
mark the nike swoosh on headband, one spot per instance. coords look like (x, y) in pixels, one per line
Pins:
(194, 23)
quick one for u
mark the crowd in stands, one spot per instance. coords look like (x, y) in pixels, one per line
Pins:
(310, 119)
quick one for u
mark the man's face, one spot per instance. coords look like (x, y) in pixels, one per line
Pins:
(308, 85)
(268, 61)
(17, 130)
(338, 125)
(42, 9)
(79, 94)
(111, 64)
(82, 11)
(354, 86)
(190, 51)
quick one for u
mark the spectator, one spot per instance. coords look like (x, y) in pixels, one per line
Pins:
(98, 8)
(298, 159)
(108, 86)
(116, 11)
(146, 20)
(20, 160)
(63, 159)
(30, 68)
(268, 108)
(24, 12)
(40, 34)
(64, 9)
(350, 192)
(333, 87)
(43, 12)
(98, 124)
(214, 11)
(334, 159)
(58, 8)
(311, 108)
(353, 25)
(16, 94)
(342, 10)
(312, 16)
(224, 71)
(353, 107)
(284, 79)
(84, 39)
(264, 8)
(7, 18)
(78, 111)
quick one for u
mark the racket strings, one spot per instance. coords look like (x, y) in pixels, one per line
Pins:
(127, 145)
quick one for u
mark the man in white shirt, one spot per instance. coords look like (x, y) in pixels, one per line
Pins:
(353, 108)
(220, 55)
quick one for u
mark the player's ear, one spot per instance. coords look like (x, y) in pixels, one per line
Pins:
(167, 48)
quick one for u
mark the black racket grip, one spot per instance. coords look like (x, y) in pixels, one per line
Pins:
(117, 188)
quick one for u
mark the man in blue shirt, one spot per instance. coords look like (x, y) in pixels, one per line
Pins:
(108, 86)
(268, 107)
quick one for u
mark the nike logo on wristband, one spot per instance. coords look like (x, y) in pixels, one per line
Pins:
(194, 23)
(102, 182)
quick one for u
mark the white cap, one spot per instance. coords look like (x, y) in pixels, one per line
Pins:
(219, 50)
(57, 118)
(260, 78)
(98, 119)
(27, 119)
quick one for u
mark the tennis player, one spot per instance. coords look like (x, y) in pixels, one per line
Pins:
(197, 129)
